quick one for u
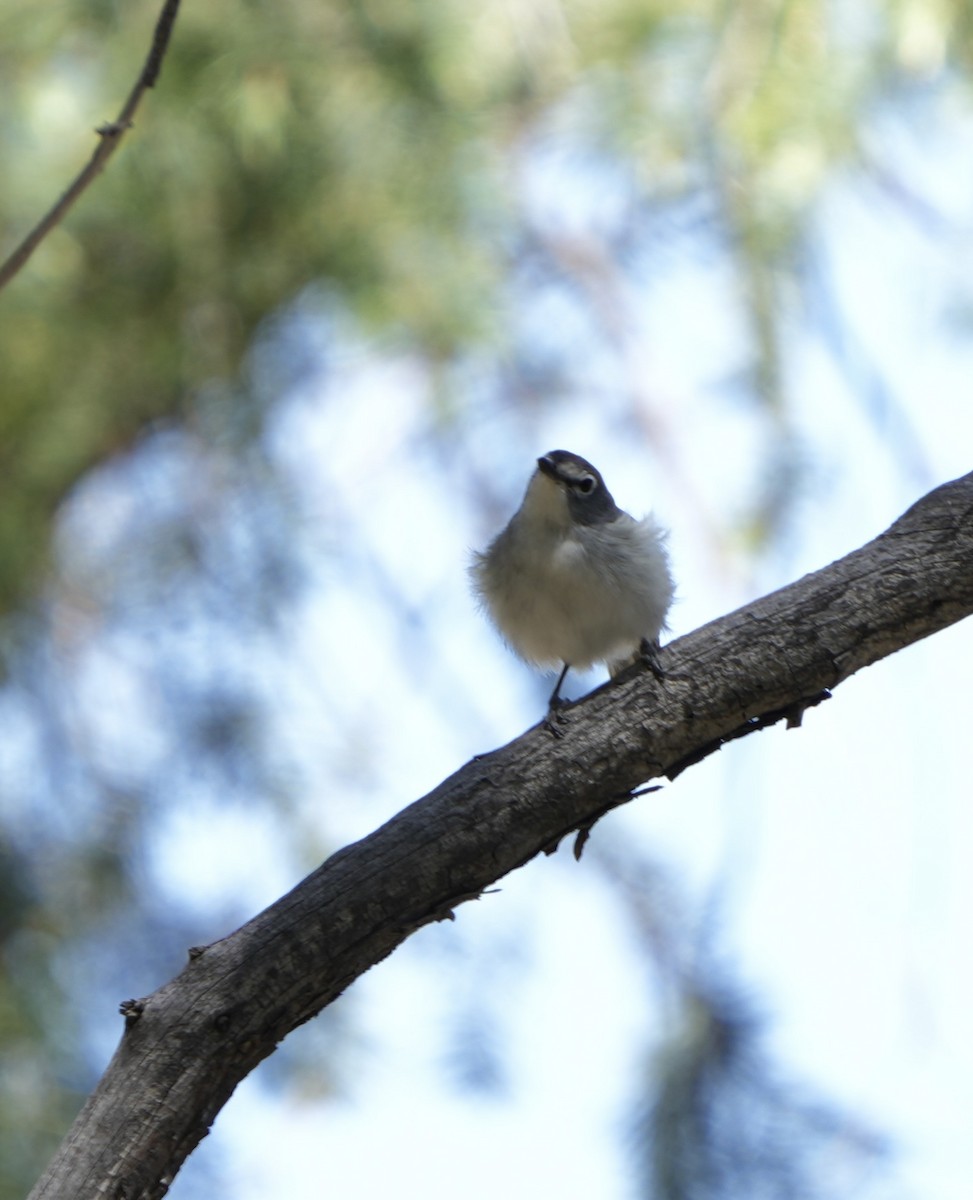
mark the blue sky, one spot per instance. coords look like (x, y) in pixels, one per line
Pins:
(827, 867)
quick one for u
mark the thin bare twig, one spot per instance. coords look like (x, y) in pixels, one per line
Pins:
(109, 136)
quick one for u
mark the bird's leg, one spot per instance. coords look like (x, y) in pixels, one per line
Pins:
(555, 702)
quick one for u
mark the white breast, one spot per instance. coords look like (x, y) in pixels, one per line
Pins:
(565, 593)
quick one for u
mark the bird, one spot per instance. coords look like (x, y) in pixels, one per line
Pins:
(572, 579)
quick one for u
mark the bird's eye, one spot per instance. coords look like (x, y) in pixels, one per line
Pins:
(586, 484)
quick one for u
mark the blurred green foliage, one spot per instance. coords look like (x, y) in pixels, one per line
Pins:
(375, 150)
(374, 146)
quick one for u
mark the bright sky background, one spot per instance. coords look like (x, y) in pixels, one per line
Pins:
(837, 856)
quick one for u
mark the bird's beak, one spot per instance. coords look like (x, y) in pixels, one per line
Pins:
(547, 467)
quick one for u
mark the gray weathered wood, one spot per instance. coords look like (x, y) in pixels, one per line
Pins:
(187, 1045)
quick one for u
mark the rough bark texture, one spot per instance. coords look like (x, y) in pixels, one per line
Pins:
(187, 1045)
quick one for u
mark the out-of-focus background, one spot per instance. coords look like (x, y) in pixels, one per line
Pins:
(289, 360)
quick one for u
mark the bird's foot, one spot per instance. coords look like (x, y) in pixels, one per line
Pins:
(649, 655)
(555, 720)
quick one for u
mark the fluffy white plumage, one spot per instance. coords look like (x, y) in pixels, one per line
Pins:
(573, 579)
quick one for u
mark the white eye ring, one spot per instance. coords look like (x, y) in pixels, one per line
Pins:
(586, 484)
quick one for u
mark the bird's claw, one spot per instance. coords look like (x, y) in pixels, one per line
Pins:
(649, 654)
(554, 719)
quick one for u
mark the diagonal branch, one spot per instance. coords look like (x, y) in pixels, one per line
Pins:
(110, 135)
(187, 1046)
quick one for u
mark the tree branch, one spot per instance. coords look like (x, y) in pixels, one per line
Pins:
(110, 135)
(187, 1046)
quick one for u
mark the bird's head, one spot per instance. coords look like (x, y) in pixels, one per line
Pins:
(567, 489)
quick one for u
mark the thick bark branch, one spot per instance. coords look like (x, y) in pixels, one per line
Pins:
(187, 1045)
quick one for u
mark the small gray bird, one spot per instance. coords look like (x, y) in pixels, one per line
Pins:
(573, 579)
